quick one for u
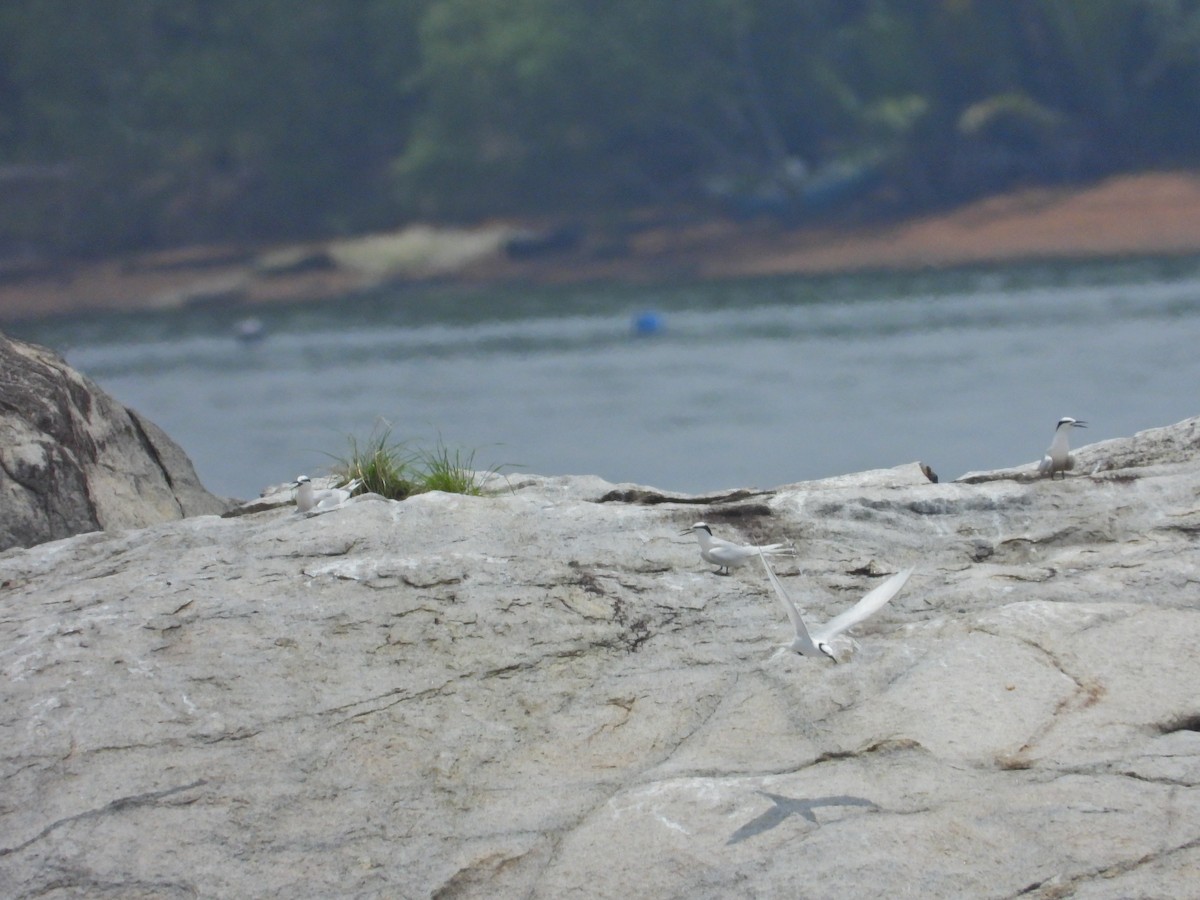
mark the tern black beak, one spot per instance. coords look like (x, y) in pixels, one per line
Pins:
(1080, 424)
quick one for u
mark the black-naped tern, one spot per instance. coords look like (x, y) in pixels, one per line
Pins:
(310, 500)
(1058, 457)
(728, 555)
(816, 643)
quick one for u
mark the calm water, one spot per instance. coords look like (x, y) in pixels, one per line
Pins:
(752, 382)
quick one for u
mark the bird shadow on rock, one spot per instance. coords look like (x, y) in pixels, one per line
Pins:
(784, 808)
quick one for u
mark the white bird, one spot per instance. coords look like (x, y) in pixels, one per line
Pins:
(309, 500)
(816, 643)
(728, 555)
(1058, 456)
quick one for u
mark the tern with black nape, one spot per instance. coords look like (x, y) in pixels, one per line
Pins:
(816, 643)
(1058, 456)
(728, 555)
(310, 500)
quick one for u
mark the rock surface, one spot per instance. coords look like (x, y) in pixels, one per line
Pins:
(544, 692)
(74, 460)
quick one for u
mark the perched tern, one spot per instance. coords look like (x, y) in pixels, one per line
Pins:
(728, 555)
(309, 500)
(1058, 457)
(816, 642)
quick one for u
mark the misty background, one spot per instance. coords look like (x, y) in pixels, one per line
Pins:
(133, 124)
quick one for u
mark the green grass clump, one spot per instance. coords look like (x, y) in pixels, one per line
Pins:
(383, 467)
(393, 470)
(453, 473)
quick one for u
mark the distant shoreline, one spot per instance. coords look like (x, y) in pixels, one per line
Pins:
(1146, 214)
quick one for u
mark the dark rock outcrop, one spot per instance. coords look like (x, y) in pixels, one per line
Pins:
(74, 460)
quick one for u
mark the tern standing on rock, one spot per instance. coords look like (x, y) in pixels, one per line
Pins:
(1058, 457)
(728, 555)
(309, 500)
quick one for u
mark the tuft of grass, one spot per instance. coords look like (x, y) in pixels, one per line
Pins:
(442, 470)
(383, 466)
(395, 471)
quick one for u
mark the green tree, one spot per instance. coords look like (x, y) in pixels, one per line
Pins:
(175, 120)
(193, 119)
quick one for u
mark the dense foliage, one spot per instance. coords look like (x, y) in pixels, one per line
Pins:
(131, 123)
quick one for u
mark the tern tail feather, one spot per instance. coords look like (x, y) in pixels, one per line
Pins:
(777, 550)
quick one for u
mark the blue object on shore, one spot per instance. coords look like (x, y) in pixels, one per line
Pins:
(648, 322)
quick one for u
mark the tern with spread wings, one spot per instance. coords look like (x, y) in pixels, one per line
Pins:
(817, 642)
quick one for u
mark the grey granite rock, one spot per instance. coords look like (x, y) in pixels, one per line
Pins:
(73, 460)
(545, 692)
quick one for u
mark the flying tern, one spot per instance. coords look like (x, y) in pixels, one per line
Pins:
(816, 643)
(1058, 457)
(728, 555)
(309, 500)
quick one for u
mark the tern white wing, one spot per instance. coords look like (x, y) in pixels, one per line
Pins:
(803, 643)
(865, 607)
(311, 502)
(332, 499)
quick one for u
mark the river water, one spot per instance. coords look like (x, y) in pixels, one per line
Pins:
(754, 382)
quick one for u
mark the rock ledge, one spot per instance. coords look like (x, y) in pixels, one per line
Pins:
(539, 694)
